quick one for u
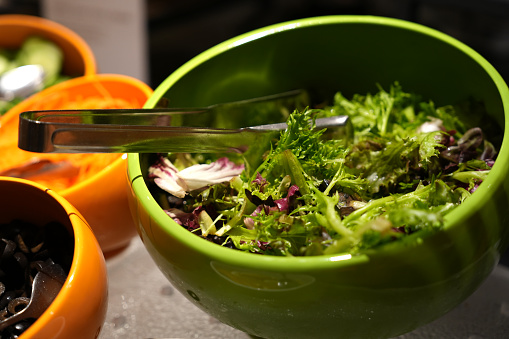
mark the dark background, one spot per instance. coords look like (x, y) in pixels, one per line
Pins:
(179, 30)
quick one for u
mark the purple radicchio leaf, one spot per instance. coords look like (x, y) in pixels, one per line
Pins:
(248, 221)
(284, 203)
(260, 181)
(178, 183)
(165, 176)
(466, 148)
(201, 175)
(179, 216)
(281, 205)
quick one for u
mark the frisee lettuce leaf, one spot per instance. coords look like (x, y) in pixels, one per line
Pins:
(409, 164)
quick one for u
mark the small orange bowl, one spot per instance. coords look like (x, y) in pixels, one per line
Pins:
(96, 184)
(79, 309)
(78, 57)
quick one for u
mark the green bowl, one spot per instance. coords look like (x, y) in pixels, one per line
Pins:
(384, 292)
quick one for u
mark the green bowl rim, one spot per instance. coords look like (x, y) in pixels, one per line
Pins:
(270, 263)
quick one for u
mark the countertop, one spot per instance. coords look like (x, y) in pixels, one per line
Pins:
(143, 304)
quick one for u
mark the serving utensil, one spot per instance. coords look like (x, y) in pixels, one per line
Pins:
(45, 287)
(195, 130)
(21, 82)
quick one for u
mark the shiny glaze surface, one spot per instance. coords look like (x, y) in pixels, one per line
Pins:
(102, 198)
(381, 293)
(79, 309)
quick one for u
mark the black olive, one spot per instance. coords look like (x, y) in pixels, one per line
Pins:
(41, 255)
(10, 247)
(21, 259)
(26, 249)
(22, 326)
(6, 299)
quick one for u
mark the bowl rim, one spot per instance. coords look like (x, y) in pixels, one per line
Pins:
(74, 82)
(221, 254)
(120, 161)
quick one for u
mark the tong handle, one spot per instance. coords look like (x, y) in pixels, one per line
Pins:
(233, 126)
(79, 137)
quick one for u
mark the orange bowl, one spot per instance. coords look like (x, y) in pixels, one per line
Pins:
(79, 309)
(78, 57)
(96, 184)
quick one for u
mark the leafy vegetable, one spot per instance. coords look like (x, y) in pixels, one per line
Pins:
(35, 50)
(39, 51)
(409, 165)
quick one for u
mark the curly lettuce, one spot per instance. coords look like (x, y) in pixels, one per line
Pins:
(409, 164)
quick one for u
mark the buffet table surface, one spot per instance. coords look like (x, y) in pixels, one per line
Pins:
(143, 304)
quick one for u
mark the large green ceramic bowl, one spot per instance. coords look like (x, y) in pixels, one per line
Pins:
(381, 293)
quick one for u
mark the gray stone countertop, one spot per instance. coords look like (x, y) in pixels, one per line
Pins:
(143, 304)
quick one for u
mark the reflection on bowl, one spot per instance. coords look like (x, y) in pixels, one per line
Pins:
(94, 183)
(84, 292)
(380, 293)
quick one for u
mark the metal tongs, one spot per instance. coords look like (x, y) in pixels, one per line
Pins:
(212, 129)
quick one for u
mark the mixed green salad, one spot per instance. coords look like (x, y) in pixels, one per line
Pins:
(35, 50)
(408, 165)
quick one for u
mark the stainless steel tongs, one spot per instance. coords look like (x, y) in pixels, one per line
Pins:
(227, 127)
